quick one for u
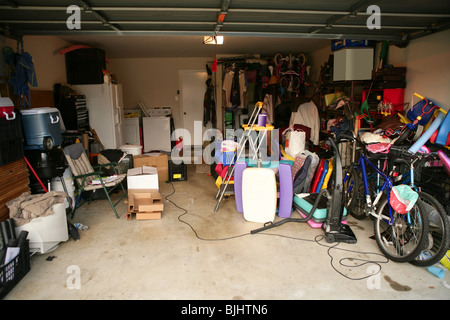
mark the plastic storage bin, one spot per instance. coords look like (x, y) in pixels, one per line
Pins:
(14, 271)
(177, 172)
(42, 128)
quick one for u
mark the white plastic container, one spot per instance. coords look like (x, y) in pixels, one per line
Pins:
(135, 150)
(56, 185)
(45, 233)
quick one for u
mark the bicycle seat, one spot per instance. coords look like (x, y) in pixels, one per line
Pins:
(381, 155)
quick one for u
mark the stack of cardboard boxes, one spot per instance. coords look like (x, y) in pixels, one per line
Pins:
(144, 199)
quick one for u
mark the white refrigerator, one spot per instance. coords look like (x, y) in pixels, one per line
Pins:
(105, 106)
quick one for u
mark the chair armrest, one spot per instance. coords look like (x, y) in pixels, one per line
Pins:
(110, 164)
(84, 176)
(94, 173)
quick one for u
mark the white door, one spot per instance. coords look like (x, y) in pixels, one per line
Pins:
(193, 87)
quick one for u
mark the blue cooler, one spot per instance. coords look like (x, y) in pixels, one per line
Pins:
(41, 127)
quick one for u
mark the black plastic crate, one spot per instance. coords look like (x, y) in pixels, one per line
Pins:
(435, 181)
(177, 172)
(14, 271)
(85, 66)
(11, 150)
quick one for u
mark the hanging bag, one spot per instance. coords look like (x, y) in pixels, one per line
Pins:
(402, 198)
(295, 142)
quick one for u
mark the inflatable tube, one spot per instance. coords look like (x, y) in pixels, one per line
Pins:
(444, 129)
(445, 160)
(427, 134)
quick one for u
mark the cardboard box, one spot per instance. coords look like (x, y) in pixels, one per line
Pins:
(148, 215)
(146, 204)
(144, 200)
(143, 178)
(158, 160)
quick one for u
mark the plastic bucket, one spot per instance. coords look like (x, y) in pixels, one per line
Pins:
(56, 185)
(135, 150)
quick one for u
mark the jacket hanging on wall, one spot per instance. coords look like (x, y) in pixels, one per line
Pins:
(22, 73)
(209, 105)
(235, 97)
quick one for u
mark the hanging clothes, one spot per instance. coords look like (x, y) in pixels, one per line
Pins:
(22, 73)
(235, 87)
(308, 115)
(209, 105)
(267, 108)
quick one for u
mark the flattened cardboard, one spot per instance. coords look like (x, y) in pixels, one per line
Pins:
(158, 160)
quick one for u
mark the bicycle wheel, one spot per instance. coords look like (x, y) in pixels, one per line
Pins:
(354, 194)
(404, 236)
(438, 234)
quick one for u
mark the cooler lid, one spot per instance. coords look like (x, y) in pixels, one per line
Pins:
(38, 110)
(6, 102)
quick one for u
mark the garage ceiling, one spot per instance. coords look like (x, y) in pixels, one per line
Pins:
(168, 28)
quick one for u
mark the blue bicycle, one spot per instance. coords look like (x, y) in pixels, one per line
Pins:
(400, 236)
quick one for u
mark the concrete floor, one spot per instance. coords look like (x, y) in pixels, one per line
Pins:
(215, 257)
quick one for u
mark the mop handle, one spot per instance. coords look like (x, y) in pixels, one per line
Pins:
(35, 174)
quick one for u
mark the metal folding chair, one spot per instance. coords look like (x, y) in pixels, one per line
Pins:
(86, 179)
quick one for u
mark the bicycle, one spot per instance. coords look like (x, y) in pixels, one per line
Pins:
(438, 240)
(400, 236)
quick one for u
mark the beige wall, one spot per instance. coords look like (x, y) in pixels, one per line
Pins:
(154, 81)
(49, 65)
(427, 61)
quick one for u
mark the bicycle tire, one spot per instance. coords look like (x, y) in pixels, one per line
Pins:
(403, 136)
(403, 241)
(439, 232)
(353, 198)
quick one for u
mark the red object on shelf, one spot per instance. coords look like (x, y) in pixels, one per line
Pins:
(394, 96)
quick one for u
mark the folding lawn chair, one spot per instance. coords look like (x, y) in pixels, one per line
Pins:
(87, 179)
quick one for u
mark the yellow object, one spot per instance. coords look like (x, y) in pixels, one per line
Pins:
(258, 128)
(328, 175)
(332, 97)
(446, 260)
(219, 181)
(284, 154)
(403, 119)
(418, 96)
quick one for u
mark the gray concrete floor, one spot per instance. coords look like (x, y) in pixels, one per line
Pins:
(215, 257)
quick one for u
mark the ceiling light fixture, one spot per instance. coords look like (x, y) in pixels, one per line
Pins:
(213, 40)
